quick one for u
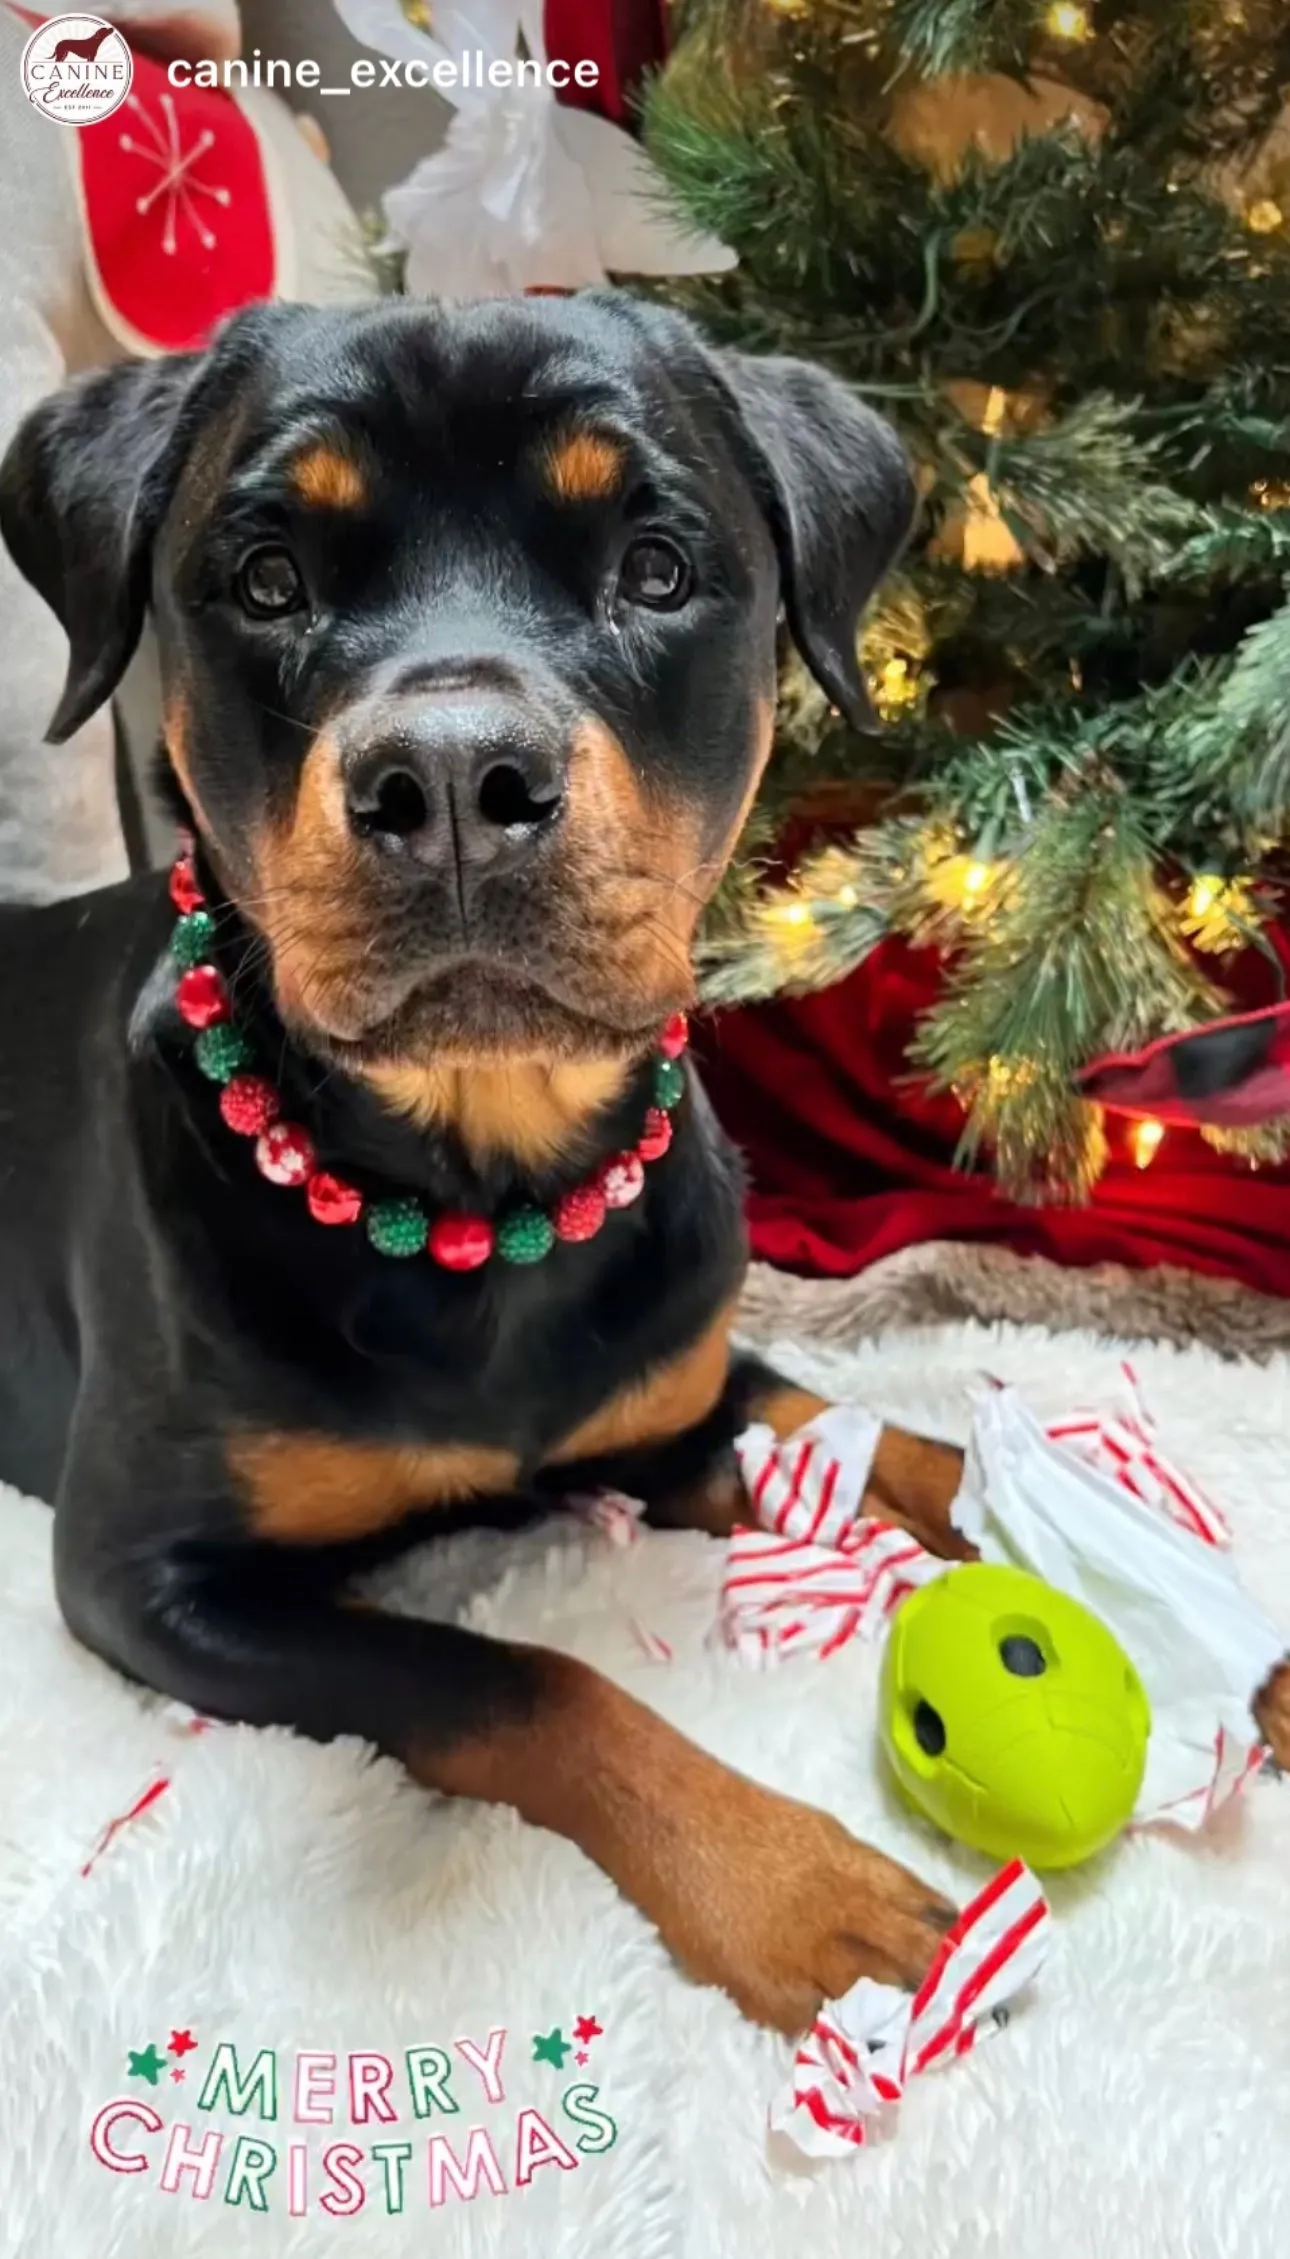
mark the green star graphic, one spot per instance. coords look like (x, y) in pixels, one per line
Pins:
(149, 2065)
(551, 2047)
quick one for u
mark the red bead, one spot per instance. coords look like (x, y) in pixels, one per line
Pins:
(675, 1036)
(581, 1213)
(460, 1243)
(656, 1135)
(185, 893)
(202, 997)
(622, 1180)
(284, 1153)
(331, 1200)
(248, 1104)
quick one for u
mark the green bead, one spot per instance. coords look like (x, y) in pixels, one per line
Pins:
(222, 1051)
(669, 1082)
(191, 940)
(397, 1227)
(525, 1236)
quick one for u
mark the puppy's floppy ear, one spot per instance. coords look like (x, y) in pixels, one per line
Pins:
(83, 487)
(835, 485)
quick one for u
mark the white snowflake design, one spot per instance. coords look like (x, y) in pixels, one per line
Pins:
(177, 183)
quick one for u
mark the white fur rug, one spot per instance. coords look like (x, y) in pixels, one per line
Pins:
(282, 1897)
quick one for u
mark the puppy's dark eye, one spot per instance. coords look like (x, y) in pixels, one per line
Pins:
(655, 572)
(268, 584)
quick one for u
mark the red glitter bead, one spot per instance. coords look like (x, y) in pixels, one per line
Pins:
(460, 1243)
(284, 1153)
(675, 1036)
(185, 893)
(202, 997)
(622, 1180)
(581, 1213)
(248, 1104)
(331, 1200)
(656, 1135)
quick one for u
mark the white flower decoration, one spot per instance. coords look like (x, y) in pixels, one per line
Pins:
(524, 193)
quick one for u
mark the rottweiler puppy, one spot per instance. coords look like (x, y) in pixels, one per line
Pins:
(468, 623)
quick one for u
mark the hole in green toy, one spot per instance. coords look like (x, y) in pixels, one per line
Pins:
(1022, 1656)
(929, 1730)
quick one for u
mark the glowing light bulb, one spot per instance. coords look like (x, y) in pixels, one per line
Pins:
(792, 913)
(1067, 20)
(1202, 894)
(975, 879)
(1144, 1142)
(848, 897)
(1263, 217)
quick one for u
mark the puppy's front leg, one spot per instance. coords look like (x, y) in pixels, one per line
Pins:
(751, 1891)
(694, 1482)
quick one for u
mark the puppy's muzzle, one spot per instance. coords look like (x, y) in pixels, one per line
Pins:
(468, 777)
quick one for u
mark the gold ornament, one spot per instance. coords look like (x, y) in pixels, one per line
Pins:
(1263, 217)
(897, 689)
(1067, 20)
(1270, 493)
(418, 14)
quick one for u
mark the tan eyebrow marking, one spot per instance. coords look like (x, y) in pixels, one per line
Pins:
(585, 466)
(328, 478)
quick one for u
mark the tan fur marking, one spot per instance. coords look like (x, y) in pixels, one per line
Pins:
(530, 1110)
(585, 467)
(309, 869)
(752, 1891)
(312, 1490)
(328, 478)
(174, 731)
(666, 1402)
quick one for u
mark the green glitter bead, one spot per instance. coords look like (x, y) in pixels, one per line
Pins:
(525, 1236)
(221, 1052)
(669, 1082)
(191, 940)
(396, 1227)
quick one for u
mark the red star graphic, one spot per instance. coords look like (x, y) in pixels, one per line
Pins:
(586, 2028)
(582, 2056)
(182, 2043)
(178, 2073)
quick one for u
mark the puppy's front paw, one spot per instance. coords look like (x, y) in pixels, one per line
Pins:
(788, 1910)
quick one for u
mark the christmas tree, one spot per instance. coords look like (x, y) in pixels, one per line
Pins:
(1050, 240)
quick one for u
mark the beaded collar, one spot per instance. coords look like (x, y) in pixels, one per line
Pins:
(398, 1224)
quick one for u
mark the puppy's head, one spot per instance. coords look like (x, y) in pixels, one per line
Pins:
(467, 623)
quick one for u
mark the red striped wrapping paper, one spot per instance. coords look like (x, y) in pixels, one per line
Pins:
(862, 2051)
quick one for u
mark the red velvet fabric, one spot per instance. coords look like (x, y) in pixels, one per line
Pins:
(851, 1158)
(625, 38)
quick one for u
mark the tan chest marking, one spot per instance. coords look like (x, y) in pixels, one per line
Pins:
(530, 1110)
(312, 1490)
(668, 1401)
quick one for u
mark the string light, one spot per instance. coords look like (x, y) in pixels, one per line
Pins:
(1067, 20)
(896, 689)
(976, 878)
(1144, 1141)
(1263, 217)
(1219, 914)
(790, 913)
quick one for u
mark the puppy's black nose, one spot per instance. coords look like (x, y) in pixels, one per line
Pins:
(466, 777)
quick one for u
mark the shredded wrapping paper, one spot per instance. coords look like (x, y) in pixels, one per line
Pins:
(862, 2051)
(1124, 1443)
(1091, 1502)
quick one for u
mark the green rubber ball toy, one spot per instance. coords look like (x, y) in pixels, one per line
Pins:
(1012, 1717)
